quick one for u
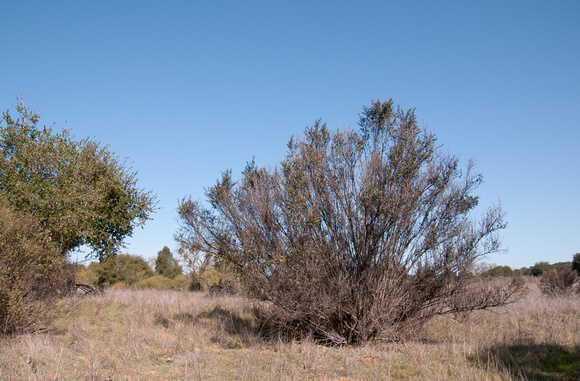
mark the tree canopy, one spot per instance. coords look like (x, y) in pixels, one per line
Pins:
(576, 263)
(80, 192)
(357, 234)
(166, 264)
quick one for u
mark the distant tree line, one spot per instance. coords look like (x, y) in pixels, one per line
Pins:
(557, 279)
(133, 271)
(537, 270)
(126, 271)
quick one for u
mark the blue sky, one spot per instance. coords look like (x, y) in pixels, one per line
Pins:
(186, 89)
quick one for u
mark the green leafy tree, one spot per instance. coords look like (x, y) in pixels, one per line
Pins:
(498, 271)
(166, 264)
(563, 264)
(576, 263)
(125, 268)
(79, 191)
(357, 235)
(540, 268)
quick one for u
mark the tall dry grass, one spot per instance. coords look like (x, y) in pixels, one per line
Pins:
(170, 335)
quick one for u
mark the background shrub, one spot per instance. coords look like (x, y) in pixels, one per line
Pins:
(218, 280)
(540, 268)
(498, 271)
(85, 275)
(195, 282)
(120, 286)
(181, 282)
(157, 282)
(558, 281)
(210, 279)
(126, 268)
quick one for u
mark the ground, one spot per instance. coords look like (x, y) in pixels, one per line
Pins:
(172, 335)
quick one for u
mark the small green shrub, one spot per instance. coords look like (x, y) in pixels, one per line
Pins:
(126, 268)
(498, 271)
(181, 282)
(120, 286)
(210, 279)
(540, 268)
(86, 275)
(157, 282)
(218, 280)
(558, 281)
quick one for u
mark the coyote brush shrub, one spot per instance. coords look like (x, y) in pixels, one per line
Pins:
(356, 235)
(31, 270)
(85, 276)
(157, 282)
(126, 268)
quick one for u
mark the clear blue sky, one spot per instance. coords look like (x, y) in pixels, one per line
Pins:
(186, 89)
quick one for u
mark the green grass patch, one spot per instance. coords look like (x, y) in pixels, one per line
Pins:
(539, 361)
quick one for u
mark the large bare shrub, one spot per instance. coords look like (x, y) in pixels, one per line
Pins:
(356, 235)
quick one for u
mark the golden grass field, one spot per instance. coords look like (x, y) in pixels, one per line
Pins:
(172, 335)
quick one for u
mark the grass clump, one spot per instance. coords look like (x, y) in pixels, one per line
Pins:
(542, 362)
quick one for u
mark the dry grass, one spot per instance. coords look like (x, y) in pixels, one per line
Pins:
(169, 335)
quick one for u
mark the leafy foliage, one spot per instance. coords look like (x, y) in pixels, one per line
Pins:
(576, 263)
(498, 271)
(125, 268)
(540, 268)
(166, 264)
(85, 275)
(157, 282)
(79, 191)
(31, 271)
(182, 282)
(357, 235)
(218, 280)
